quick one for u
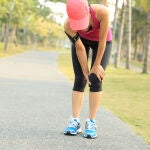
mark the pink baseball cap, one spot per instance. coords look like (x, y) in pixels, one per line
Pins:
(78, 14)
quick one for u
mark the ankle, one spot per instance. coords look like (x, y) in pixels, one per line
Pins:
(91, 119)
(77, 119)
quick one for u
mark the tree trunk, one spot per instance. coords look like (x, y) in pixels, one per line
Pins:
(144, 44)
(8, 30)
(128, 34)
(115, 19)
(13, 36)
(114, 31)
(2, 32)
(26, 34)
(6, 37)
(117, 60)
(136, 47)
(147, 46)
(143, 47)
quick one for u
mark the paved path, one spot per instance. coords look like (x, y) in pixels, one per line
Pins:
(35, 104)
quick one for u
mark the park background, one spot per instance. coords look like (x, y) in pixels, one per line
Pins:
(38, 25)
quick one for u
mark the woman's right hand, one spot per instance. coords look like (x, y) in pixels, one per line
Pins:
(99, 71)
(87, 78)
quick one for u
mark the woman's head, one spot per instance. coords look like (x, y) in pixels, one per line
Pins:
(78, 14)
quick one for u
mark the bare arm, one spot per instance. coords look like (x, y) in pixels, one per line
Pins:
(103, 17)
(80, 50)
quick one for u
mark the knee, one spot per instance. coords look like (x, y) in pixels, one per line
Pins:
(79, 84)
(96, 84)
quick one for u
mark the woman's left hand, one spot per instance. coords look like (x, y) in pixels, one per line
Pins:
(99, 71)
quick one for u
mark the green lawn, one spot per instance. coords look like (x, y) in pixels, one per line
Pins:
(126, 94)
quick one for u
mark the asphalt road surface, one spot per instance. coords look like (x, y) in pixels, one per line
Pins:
(35, 107)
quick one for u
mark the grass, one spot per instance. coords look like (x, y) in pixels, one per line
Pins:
(136, 63)
(12, 49)
(126, 94)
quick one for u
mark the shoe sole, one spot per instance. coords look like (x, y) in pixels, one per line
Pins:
(69, 133)
(90, 137)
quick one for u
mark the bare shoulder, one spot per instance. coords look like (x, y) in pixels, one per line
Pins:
(66, 25)
(101, 11)
(68, 29)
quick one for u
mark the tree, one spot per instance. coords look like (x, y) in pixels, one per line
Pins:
(6, 16)
(15, 14)
(138, 32)
(90, 1)
(120, 35)
(128, 34)
(114, 28)
(115, 19)
(147, 48)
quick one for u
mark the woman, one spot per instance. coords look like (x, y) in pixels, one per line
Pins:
(87, 26)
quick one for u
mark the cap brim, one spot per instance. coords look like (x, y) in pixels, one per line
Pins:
(79, 24)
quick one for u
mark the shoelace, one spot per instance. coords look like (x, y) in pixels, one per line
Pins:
(90, 125)
(73, 124)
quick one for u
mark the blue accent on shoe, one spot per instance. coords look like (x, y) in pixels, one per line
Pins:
(90, 129)
(73, 128)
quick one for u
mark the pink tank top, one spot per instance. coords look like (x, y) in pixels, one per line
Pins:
(93, 34)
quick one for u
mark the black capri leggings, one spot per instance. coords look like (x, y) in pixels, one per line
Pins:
(80, 81)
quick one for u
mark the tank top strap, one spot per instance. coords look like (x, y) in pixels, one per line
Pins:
(95, 21)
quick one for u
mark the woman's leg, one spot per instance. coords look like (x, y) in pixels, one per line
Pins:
(96, 86)
(79, 85)
(94, 102)
(77, 95)
(77, 101)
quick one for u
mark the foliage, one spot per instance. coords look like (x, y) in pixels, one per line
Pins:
(142, 5)
(90, 1)
(30, 19)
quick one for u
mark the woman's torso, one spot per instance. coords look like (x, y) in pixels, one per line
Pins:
(94, 30)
